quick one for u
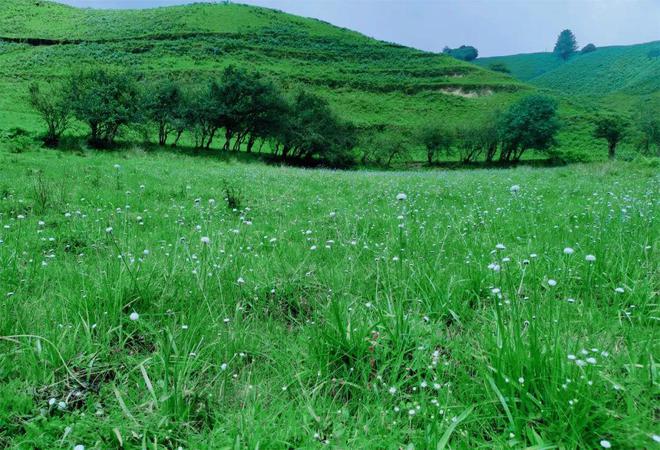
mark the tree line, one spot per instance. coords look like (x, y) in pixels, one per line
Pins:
(241, 110)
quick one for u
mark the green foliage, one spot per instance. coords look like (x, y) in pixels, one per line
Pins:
(54, 107)
(477, 139)
(531, 123)
(612, 128)
(566, 45)
(164, 105)
(647, 120)
(436, 139)
(588, 49)
(105, 101)
(499, 67)
(464, 52)
(313, 129)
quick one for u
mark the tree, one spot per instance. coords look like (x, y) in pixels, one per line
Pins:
(464, 52)
(435, 139)
(313, 129)
(54, 108)
(385, 146)
(566, 45)
(499, 67)
(106, 101)
(164, 107)
(475, 139)
(530, 123)
(612, 129)
(588, 49)
(647, 120)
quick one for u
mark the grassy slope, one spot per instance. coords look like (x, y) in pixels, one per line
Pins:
(607, 70)
(368, 81)
(380, 295)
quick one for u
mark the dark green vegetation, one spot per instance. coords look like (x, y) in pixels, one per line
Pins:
(464, 52)
(566, 45)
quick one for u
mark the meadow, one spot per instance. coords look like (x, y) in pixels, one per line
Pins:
(152, 300)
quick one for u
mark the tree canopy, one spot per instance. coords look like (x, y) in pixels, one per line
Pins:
(530, 123)
(566, 45)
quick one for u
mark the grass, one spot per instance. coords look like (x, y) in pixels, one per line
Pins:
(625, 68)
(159, 300)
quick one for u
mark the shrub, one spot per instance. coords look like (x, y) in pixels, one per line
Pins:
(588, 49)
(499, 67)
(464, 52)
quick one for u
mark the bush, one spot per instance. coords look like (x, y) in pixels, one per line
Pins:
(499, 67)
(464, 52)
(588, 49)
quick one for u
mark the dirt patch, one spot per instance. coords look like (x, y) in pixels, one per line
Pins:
(460, 92)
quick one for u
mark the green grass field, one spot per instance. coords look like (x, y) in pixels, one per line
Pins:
(141, 310)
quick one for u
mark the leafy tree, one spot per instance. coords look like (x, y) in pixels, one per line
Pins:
(164, 107)
(313, 129)
(499, 67)
(530, 123)
(435, 139)
(647, 120)
(54, 108)
(566, 45)
(612, 129)
(473, 140)
(106, 101)
(464, 52)
(267, 115)
(386, 146)
(588, 49)
(199, 115)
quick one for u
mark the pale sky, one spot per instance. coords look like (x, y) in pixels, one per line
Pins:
(495, 27)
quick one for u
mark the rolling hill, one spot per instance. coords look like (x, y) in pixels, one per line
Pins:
(631, 69)
(371, 82)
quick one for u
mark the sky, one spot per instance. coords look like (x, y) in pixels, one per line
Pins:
(495, 27)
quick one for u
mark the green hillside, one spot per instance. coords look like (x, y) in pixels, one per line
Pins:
(630, 69)
(370, 82)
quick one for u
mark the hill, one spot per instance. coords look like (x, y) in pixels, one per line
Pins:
(371, 82)
(631, 69)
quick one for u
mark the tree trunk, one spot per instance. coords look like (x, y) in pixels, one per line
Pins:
(228, 136)
(178, 136)
(611, 151)
(250, 143)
